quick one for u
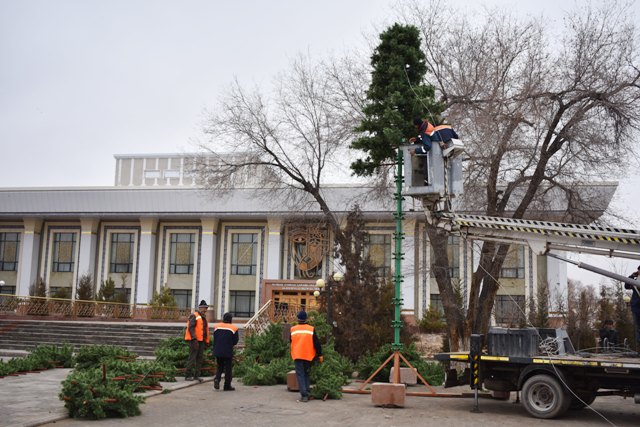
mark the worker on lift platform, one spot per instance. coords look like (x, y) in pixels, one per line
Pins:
(427, 133)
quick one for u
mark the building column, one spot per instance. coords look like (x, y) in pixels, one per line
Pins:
(208, 257)
(556, 282)
(88, 248)
(469, 263)
(424, 280)
(274, 252)
(29, 250)
(147, 261)
(408, 289)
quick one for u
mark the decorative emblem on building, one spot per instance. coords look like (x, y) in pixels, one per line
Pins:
(308, 246)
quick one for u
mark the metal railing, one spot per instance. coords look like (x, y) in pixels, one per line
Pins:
(272, 312)
(72, 309)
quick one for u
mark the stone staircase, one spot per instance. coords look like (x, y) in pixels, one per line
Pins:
(140, 338)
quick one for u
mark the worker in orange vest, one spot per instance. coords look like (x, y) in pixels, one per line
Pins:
(427, 133)
(305, 347)
(197, 335)
(225, 337)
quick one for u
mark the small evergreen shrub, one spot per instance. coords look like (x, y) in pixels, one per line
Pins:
(432, 321)
(160, 302)
(107, 290)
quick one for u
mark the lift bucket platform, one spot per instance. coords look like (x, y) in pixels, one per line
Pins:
(442, 183)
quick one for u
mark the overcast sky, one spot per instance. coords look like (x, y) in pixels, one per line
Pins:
(82, 80)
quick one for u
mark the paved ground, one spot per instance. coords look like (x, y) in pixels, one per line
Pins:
(31, 400)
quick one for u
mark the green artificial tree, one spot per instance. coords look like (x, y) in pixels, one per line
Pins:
(395, 96)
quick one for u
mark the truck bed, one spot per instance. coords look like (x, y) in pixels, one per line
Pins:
(599, 360)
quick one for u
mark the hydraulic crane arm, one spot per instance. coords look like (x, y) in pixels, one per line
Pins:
(543, 236)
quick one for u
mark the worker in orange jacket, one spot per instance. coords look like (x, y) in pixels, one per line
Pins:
(427, 133)
(197, 335)
(305, 347)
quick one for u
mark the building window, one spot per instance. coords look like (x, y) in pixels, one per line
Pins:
(9, 248)
(182, 297)
(435, 302)
(182, 253)
(62, 292)
(453, 255)
(171, 173)
(378, 250)
(121, 260)
(123, 294)
(244, 253)
(151, 174)
(241, 303)
(513, 266)
(64, 245)
(510, 310)
(9, 290)
(453, 252)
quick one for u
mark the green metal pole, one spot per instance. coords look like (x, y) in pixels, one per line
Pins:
(399, 235)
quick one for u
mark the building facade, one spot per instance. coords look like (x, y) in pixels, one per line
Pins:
(155, 227)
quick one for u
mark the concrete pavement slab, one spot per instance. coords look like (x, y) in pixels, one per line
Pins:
(32, 400)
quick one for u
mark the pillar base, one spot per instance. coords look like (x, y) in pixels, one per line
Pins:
(292, 381)
(388, 395)
(408, 376)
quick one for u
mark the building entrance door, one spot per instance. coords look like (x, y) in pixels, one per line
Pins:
(288, 295)
(300, 300)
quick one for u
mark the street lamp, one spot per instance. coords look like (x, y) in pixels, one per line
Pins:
(337, 277)
(320, 286)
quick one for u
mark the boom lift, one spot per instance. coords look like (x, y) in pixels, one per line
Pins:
(539, 362)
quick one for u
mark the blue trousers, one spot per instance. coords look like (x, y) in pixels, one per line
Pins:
(636, 320)
(303, 367)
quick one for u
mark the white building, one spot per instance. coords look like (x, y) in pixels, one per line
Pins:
(156, 227)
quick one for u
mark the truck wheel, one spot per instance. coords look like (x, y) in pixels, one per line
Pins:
(544, 397)
(586, 398)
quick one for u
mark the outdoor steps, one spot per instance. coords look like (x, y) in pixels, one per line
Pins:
(141, 338)
(138, 337)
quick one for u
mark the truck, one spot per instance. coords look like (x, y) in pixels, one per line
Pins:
(549, 381)
(541, 365)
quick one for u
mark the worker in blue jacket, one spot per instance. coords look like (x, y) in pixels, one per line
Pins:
(635, 303)
(225, 337)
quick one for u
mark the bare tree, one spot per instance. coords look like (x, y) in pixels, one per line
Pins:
(540, 112)
(288, 141)
(581, 315)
